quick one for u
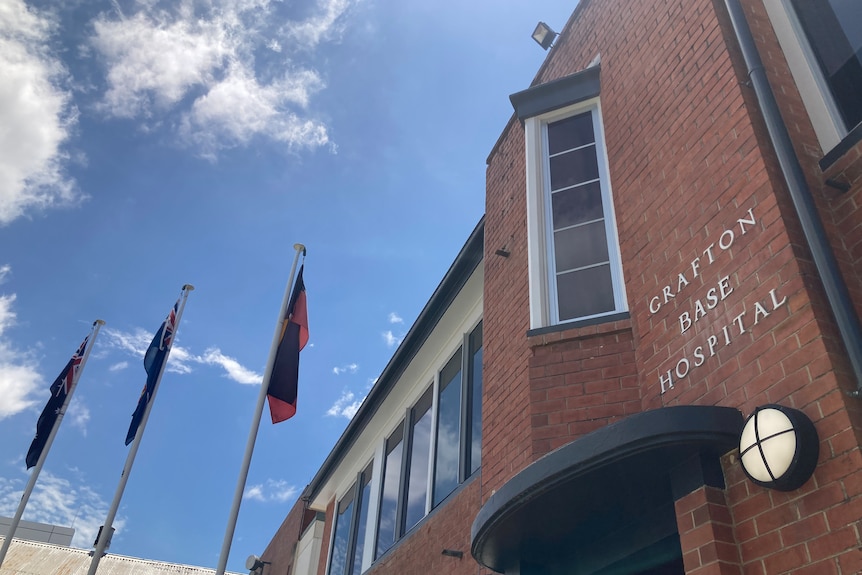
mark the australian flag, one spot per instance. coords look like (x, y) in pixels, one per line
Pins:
(154, 358)
(59, 391)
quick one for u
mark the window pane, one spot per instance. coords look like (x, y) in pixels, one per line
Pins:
(580, 246)
(574, 167)
(834, 32)
(570, 133)
(476, 400)
(420, 457)
(448, 430)
(338, 561)
(585, 292)
(389, 498)
(364, 499)
(577, 205)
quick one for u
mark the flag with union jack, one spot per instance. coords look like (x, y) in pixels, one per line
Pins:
(60, 389)
(154, 359)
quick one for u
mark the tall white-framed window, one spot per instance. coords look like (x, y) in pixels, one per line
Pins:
(575, 267)
(822, 43)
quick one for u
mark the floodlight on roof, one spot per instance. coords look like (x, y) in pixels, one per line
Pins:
(544, 35)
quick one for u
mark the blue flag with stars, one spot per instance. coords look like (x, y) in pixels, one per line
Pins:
(154, 358)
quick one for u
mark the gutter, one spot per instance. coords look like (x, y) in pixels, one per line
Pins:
(812, 228)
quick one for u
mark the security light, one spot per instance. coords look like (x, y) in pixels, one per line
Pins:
(778, 447)
(543, 35)
(254, 564)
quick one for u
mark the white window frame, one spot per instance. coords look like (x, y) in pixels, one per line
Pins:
(543, 294)
(816, 96)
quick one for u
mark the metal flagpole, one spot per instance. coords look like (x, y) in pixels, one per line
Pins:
(42, 456)
(107, 530)
(255, 423)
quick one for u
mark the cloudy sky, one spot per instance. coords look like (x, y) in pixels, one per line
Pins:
(149, 144)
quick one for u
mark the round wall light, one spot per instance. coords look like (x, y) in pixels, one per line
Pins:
(778, 447)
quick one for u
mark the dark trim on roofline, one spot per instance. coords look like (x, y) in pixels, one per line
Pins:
(466, 262)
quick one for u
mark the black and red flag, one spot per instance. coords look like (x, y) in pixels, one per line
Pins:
(281, 390)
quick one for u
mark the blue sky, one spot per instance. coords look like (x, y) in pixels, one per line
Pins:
(150, 144)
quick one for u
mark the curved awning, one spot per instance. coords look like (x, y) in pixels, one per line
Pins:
(610, 492)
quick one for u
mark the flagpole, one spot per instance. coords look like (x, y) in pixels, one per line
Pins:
(255, 423)
(107, 530)
(28, 490)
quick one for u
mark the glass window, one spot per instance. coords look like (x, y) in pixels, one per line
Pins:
(582, 274)
(340, 540)
(575, 268)
(387, 520)
(420, 458)
(448, 438)
(348, 540)
(475, 400)
(833, 29)
(404, 491)
(362, 519)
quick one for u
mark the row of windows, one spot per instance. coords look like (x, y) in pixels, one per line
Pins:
(435, 448)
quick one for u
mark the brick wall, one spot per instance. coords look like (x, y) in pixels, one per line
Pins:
(421, 552)
(506, 439)
(839, 209)
(580, 379)
(281, 550)
(690, 162)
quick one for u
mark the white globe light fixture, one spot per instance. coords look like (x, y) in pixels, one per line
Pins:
(778, 447)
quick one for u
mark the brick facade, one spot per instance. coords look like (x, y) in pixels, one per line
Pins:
(689, 157)
(725, 304)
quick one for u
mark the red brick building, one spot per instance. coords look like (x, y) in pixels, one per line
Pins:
(672, 241)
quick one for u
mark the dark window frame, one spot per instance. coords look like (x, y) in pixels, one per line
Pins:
(356, 499)
(472, 342)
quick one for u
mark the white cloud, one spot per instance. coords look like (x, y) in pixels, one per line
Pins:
(19, 379)
(352, 368)
(204, 62)
(238, 108)
(232, 367)
(135, 344)
(79, 414)
(391, 339)
(119, 366)
(155, 58)
(323, 25)
(395, 318)
(36, 113)
(5, 270)
(345, 406)
(278, 491)
(181, 360)
(59, 501)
